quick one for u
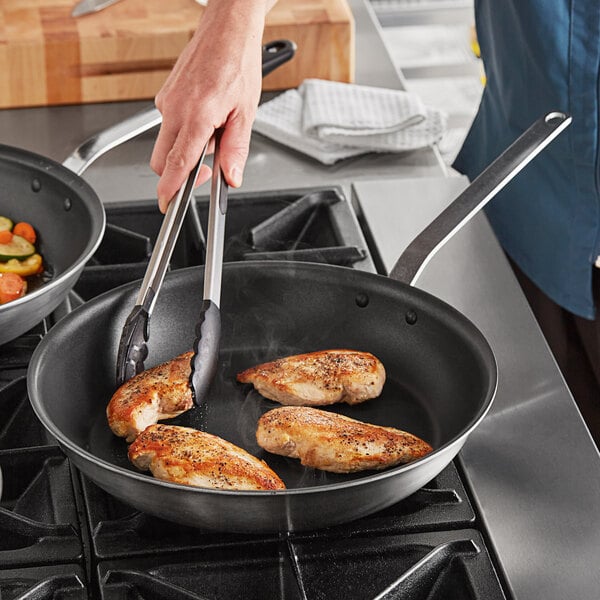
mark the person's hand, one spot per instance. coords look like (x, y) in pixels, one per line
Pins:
(215, 83)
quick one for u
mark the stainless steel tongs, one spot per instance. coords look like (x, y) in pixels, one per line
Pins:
(208, 328)
(133, 349)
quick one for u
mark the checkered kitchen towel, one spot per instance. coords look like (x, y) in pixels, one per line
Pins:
(331, 121)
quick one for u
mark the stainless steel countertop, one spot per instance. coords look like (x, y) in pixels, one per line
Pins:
(533, 469)
(532, 466)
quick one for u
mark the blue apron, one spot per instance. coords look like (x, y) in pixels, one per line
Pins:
(541, 56)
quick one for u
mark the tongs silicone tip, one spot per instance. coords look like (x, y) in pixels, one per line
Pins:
(133, 349)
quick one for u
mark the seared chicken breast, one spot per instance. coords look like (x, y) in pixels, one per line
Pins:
(335, 443)
(186, 455)
(161, 392)
(318, 378)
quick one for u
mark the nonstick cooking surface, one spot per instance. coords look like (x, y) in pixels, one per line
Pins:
(233, 409)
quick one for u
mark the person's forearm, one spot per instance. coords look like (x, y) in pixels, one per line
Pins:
(249, 12)
(267, 5)
(241, 21)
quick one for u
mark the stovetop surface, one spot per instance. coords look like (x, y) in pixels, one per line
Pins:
(62, 536)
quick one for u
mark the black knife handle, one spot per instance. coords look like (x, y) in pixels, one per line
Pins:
(276, 53)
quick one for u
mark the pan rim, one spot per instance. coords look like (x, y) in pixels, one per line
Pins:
(458, 440)
(90, 200)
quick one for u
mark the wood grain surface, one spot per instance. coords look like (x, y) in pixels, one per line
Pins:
(125, 51)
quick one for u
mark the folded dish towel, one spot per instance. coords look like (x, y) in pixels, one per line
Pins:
(331, 121)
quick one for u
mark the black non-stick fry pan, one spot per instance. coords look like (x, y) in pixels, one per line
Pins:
(441, 372)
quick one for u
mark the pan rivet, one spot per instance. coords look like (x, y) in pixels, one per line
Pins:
(362, 300)
(67, 204)
(411, 317)
(36, 185)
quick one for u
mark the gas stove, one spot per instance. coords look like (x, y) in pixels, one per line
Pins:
(62, 536)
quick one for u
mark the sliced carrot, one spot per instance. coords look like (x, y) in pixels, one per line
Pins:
(6, 237)
(25, 230)
(12, 286)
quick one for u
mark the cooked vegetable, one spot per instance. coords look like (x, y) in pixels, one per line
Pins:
(18, 248)
(18, 258)
(5, 224)
(25, 230)
(30, 266)
(12, 286)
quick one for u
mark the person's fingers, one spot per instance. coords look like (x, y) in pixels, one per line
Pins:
(164, 142)
(203, 176)
(178, 163)
(234, 148)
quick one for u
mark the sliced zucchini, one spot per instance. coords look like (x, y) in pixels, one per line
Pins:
(18, 248)
(30, 266)
(5, 224)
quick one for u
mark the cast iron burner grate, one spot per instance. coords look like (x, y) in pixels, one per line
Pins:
(63, 537)
(310, 225)
(445, 565)
(443, 504)
(15, 355)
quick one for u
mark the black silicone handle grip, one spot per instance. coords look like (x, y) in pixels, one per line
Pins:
(276, 53)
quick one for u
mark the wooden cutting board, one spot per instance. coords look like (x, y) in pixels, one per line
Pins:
(126, 51)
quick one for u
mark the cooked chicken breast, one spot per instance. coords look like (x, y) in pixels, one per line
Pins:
(185, 455)
(335, 443)
(318, 378)
(161, 392)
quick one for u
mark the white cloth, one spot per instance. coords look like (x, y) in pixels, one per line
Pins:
(331, 121)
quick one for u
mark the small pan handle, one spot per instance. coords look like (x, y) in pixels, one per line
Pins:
(492, 179)
(273, 54)
(276, 53)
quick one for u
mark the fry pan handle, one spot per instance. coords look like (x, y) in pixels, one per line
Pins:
(492, 179)
(274, 54)
(97, 145)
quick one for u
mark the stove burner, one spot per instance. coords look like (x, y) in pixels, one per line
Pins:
(15, 355)
(62, 536)
(290, 225)
(339, 255)
(316, 226)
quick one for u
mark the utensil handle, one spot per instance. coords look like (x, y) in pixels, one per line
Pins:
(215, 240)
(166, 239)
(419, 252)
(274, 53)
(97, 145)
